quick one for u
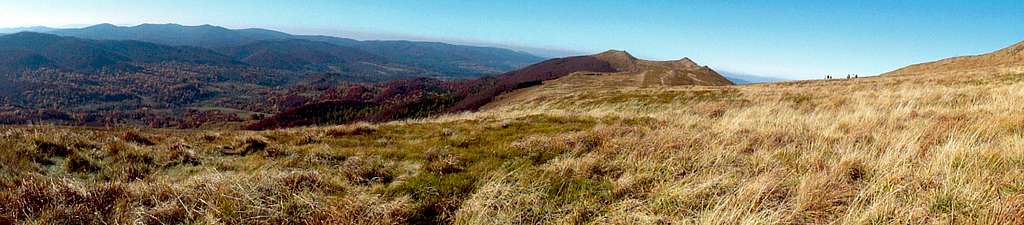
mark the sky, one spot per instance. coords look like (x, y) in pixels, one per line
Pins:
(780, 38)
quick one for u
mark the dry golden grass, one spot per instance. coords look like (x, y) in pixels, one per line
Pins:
(904, 150)
(943, 149)
(1006, 60)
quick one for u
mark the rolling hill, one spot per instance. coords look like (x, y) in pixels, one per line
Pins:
(933, 149)
(47, 78)
(28, 50)
(293, 54)
(164, 76)
(405, 99)
(37, 29)
(625, 72)
(307, 82)
(664, 73)
(205, 36)
(1007, 60)
(439, 58)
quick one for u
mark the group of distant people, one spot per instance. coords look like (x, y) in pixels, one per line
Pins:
(848, 76)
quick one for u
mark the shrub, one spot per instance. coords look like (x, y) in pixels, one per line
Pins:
(79, 163)
(133, 137)
(367, 170)
(130, 172)
(309, 138)
(210, 137)
(182, 154)
(248, 146)
(166, 213)
(309, 181)
(51, 149)
(350, 131)
(252, 145)
(441, 161)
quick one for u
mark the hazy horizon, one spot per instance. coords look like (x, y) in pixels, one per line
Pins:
(791, 39)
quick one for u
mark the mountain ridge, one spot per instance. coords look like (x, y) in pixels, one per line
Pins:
(77, 81)
(403, 99)
(82, 55)
(683, 71)
(435, 56)
(1009, 59)
(1015, 49)
(295, 78)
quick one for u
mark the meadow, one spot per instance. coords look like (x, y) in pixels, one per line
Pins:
(583, 149)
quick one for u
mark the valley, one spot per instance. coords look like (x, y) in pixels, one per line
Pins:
(155, 75)
(173, 76)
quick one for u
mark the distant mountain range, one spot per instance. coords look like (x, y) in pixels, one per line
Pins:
(37, 29)
(205, 36)
(742, 78)
(168, 75)
(432, 59)
(185, 76)
(27, 51)
(432, 56)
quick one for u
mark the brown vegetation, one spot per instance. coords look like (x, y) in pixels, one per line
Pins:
(417, 98)
(1007, 60)
(936, 149)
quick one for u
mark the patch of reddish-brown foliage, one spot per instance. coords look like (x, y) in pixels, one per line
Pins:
(422, 97)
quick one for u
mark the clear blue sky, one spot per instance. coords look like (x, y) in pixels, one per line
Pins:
(793, 39)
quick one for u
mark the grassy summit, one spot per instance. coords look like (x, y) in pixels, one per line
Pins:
(936, 148)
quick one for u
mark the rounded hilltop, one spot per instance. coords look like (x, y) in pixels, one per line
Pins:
(686, 62)
(624, 61)
(660, 73)
(620, 60)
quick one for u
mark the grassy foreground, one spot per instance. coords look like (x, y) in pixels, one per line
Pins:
(943, 149)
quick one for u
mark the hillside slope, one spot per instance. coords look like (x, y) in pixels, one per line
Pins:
(663, 73)
(119, 80)
(29, 51)
(205, 36)
(1007, 60)
(439, 58)
(72, 81)
(628, 73)
(399, 100)
(935, 149)
(415, 98)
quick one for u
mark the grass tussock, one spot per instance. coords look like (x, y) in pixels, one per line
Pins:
(895, 150)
